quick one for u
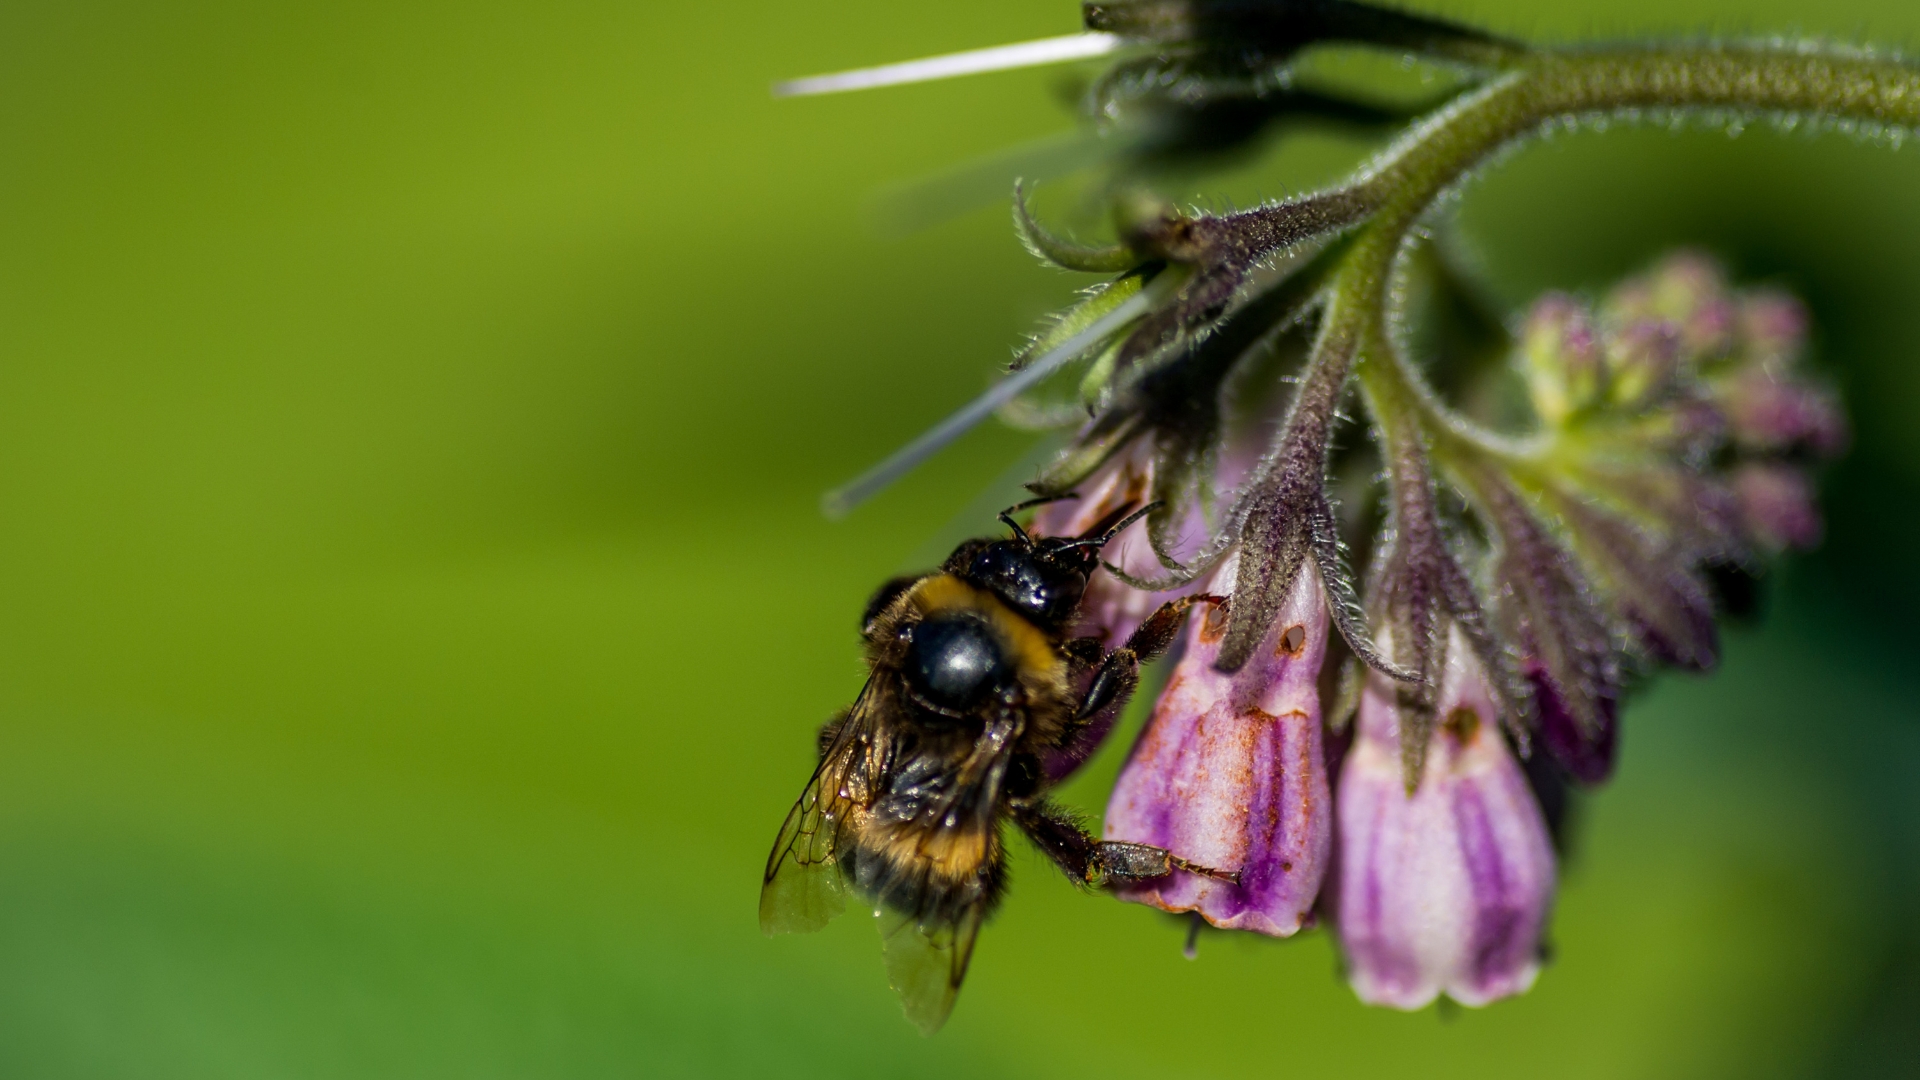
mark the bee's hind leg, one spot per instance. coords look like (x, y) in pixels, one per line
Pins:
(1119, 670)
(1063, 839)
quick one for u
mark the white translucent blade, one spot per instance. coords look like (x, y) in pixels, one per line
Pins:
(839, 501)
(999, 58)
(936, 198)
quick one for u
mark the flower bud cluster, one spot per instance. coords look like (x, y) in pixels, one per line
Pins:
(1676, 358)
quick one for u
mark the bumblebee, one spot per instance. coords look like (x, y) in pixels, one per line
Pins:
(973, 680)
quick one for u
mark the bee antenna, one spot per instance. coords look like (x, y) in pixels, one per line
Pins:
(1006, 516)
(840, 501)
(1115, 529)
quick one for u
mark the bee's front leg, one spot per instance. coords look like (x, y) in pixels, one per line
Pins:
(1084, 652)
(1100, 862)
(1119, 670)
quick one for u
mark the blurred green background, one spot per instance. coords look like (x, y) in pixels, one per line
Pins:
(414, 612)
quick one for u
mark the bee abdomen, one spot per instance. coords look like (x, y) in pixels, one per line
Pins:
(938, 876)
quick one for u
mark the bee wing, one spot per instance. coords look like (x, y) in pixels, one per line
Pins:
(926, 961)
(803, 889)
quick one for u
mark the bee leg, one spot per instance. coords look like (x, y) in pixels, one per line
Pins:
(1063, 839)
(1084, 652)
(1120, 669)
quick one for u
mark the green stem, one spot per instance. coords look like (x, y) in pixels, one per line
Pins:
(1394, 406)
(1410, 176)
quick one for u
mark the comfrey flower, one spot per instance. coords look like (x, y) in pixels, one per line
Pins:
(1231, 769)
(1112, 610)
(1540, 532)
(1443, 884)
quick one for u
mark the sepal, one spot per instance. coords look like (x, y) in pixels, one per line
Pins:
(1065, 253)
(1545, 607)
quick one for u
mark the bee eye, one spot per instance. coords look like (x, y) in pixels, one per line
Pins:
(955, 664)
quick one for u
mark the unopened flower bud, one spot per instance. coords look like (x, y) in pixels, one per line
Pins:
(1687, 425)
(1689, 291)
(1444, 889)
(1560, 357)
(1777, 505)
(1230, 773)
(1773, 326)
(1768, 411)
(1709, 330)
(1642, 357)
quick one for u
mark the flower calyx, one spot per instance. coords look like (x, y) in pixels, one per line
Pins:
(1421, 600)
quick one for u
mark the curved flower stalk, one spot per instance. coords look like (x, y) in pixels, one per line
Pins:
(1521, 576)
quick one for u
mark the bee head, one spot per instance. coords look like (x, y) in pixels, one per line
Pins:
(1044, 577)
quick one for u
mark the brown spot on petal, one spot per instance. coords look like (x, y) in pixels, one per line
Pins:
(1461, 723)
(1214, 626)
(1303, 766)
(1293, 642)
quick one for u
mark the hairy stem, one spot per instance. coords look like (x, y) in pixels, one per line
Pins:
(1405, 181)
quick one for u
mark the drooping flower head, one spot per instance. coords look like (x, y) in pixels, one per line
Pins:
(1537, 546)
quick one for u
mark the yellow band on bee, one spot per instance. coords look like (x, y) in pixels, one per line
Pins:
(1030, 647)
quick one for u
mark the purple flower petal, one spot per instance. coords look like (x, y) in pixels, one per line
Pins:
(1586, 752)
(1230, 774)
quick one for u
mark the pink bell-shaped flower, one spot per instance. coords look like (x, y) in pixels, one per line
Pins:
(1443, 889)
(1230, 773)
(1111, 609)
